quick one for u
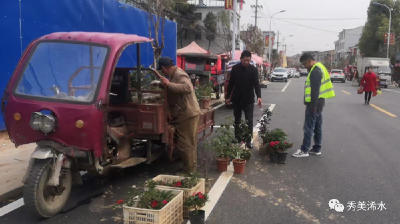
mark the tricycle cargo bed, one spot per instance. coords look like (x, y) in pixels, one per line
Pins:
(206, 121)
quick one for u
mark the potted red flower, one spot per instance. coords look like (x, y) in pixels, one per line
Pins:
(196, 202)
(278, 151)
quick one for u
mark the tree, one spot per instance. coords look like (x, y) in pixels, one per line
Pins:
(157, 11)
(372, 38)
(210, 23)
(185, 20)
(224, 22)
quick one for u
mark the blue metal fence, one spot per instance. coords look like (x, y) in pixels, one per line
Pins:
(22, 21)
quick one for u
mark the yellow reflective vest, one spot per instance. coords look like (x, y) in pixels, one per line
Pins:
(326, 89)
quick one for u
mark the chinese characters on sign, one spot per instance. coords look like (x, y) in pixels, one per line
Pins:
(334, 204)
(229, 4)
(392, 38)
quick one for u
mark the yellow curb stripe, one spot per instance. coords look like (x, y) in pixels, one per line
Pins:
(382, 110)
(346, 92)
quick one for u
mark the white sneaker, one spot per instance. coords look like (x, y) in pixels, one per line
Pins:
(300, 153)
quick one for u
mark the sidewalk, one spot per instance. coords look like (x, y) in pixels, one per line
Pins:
(13, 164)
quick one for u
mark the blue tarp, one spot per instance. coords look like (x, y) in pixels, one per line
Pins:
(23, 21)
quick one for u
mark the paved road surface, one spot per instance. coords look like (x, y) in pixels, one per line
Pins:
(359, 162)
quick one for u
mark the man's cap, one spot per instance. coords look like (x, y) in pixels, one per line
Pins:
(165, 62)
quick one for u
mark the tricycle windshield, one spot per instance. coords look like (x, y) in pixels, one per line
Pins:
(63, 71)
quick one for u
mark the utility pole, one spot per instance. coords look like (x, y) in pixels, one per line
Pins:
(256, 7)
(234, 30)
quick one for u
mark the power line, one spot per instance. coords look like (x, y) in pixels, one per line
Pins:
(325, 19)
(309, 26)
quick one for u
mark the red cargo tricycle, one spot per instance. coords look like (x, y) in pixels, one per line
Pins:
(85, 113)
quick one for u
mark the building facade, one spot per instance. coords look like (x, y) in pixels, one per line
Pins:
(347, 38)
(223, 41)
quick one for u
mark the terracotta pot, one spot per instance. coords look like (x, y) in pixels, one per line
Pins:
(205, 103)
(238, 165)
(223, 164)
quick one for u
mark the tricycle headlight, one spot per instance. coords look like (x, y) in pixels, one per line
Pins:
(36, 120)
(42, 122)
(48, 123)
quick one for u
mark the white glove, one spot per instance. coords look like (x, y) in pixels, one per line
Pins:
(155, 83)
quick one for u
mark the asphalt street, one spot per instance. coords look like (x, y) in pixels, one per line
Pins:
(359, 163)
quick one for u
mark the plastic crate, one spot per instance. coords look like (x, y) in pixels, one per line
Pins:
(169, 214)
(186, 191)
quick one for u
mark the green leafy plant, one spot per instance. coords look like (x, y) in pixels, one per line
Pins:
(151, 198)
(221, 143)
(203, 91)
(276, 134)
(196, 201)
(263, 129)
(237, 150)
(242, 131)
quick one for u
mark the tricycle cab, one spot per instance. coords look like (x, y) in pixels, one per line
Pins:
(60, 89)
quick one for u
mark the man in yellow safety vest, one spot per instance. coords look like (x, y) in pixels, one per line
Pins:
(318, 88)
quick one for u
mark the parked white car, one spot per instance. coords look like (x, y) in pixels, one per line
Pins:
(279, 74)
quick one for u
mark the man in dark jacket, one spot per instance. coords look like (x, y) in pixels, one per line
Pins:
(242, 84)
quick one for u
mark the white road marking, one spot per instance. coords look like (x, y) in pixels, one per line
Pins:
(284, 88)
(11, 207)
(19, 203)
(271, 108)
(217, 190)
(219, 106)
(392, 90)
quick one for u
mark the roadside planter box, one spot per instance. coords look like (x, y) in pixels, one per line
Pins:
(169, 214)
(200, 187)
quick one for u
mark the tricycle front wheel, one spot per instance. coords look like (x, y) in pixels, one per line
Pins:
(43, 200)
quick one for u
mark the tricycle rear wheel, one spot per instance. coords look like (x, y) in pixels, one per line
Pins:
(43, 200)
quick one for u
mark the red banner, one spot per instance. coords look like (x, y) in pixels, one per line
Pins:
(229, 4)
(391, 38)
(241, 4)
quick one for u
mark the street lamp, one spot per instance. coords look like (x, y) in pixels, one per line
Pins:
(390, 22)
(269, 42)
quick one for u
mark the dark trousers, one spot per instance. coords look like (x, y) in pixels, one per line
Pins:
(368, 96)
(248, 109)
(312, 125)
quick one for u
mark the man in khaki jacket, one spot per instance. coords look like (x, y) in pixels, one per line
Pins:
(185, 110)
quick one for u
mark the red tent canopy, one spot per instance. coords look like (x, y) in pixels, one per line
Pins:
(254, 57)
(195, 50)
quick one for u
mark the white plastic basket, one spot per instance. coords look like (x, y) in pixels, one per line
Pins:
(169, 214)
(200, 187)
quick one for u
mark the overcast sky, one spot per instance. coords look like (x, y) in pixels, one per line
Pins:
(299, 11)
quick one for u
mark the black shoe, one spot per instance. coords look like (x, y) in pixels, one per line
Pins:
(368, 103)
(249, 145)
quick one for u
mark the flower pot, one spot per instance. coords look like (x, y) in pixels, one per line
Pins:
(223, 164)
(263, 149)
(205, 103)
(238, 165)
(197, 217)
(282, 158)
(273, 158)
